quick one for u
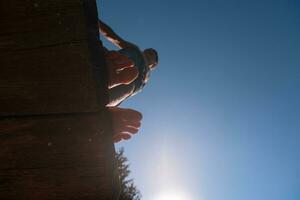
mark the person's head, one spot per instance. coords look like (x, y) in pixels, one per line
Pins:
(151, 56)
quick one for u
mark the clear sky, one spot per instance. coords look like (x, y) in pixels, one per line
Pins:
(222, 110)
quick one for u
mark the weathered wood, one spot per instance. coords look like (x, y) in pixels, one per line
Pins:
(56, 158)
(51, 63)
(50, 58)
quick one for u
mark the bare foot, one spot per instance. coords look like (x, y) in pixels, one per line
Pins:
(126, 122)
(121, 69)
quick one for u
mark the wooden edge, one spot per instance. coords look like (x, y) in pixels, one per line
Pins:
(96, 48)
(97, 57)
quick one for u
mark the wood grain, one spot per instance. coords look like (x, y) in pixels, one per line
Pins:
(50, 57)
(56, 157)
(55, 133)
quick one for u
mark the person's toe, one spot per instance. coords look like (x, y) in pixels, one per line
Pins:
(125, 136)
(131, 115)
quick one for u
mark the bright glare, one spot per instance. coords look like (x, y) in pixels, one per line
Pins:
(174, 195)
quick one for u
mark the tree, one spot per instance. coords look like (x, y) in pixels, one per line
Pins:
(128, 190)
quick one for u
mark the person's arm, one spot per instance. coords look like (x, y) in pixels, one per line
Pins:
(110, 35)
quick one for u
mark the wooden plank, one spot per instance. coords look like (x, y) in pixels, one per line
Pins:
(27, 8)
(50, 57)
(50, 87)
(40, 27)
(56, 157)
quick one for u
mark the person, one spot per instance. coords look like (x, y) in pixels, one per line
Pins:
(132, 71)
(128, 72)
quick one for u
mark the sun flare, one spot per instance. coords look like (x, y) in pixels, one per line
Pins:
(172, 195)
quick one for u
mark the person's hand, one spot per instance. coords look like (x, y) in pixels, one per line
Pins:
(126, 122)
(120, 68)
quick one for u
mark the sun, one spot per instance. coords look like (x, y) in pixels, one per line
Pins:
(172, 195)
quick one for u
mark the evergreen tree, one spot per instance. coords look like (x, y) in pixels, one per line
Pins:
(127, 186)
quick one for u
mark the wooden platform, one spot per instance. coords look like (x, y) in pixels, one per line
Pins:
(55, 132)
(50, 57)
(56, 157)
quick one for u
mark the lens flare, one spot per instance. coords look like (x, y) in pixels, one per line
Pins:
(172, 195)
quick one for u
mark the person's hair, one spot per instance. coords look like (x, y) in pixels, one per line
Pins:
(155, 52)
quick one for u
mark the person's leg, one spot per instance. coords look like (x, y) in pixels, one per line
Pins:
(127, 75)
(118, 94)
(121, 69)
(126, 122)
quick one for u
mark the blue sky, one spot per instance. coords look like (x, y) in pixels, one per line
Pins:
(221, 112)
